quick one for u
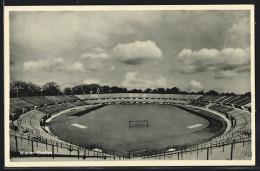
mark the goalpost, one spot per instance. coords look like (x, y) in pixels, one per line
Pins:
(138, 123)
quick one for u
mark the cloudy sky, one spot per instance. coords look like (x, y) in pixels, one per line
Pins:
(192, 50)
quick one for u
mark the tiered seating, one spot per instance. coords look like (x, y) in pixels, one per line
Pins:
(15, 109)
(62, 98)
(66, 98)
(242, 118)
(54, 108)
(19, 102)
(222, 99)
(71, 97)
(70, 105)
(134, 97)
(205, 98)
(56, 99)
(31, 119)
(227, 101)
(216, 98)
(39, 100)
(79, 103)
(238, 98)
(221, 108)
(199, 103)
(243, 101)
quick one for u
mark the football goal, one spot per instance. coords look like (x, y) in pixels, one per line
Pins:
(138, 124)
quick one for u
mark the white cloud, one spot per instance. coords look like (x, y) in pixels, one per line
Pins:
(226, 74)
(212, 59)
(91, 81)
(235, 57)
(58, 60)
(99, 49)
(189, 56)
(57, 64)
(76, 67)
(197, 61)
(134, 80)
(95, 55)
(195, 86)
(191, 69)
(35, 65)
(137, 52)
(98, 81)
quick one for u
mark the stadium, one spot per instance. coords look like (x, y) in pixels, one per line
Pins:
(165, 126)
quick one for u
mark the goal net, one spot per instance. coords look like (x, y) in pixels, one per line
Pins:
(138, 123)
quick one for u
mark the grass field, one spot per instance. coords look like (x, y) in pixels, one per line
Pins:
(108, 127)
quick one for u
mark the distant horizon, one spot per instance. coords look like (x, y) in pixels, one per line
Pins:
(182, 90)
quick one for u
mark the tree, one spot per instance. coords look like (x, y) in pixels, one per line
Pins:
(168, 91)
(228, 94)
(18, 89)
(154, 91)
(94, 88)
(212, 92)
(34, 90)
(159, 90)
(85, 89)
(200, 92)
(248, 94)
(175, 90)
(68, 91)
(116, 89)
(184, 92)
(148, 90)
(136, 91)
(51, 89)
(77, 89)
(105, 89)
(21, 89)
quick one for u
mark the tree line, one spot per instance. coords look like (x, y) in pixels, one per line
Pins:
(23, 89)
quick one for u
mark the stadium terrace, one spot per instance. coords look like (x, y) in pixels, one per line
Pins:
(37, 124)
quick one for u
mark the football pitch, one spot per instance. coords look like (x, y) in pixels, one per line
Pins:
(108, 127)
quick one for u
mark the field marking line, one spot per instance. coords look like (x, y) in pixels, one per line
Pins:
(79, 126)
(194, 126)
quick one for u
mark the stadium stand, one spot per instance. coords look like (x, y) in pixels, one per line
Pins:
(29, 119)
(136, 97)
(21, 103)
(56, 99)
(243, 101)
(59, 107)
(15, 111)
(199, 103)
(39, 100)
(235, 100)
